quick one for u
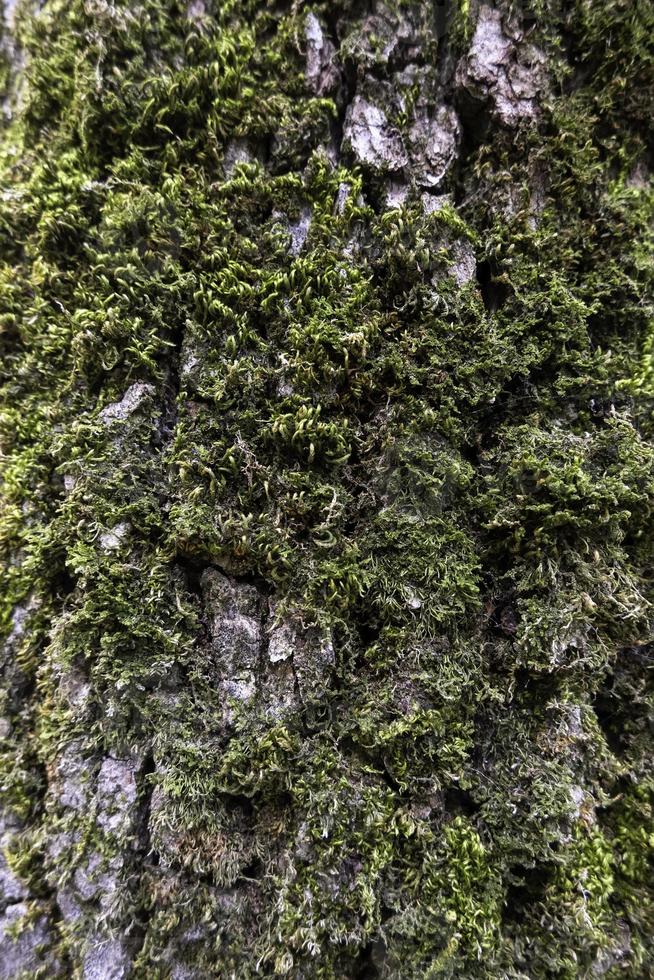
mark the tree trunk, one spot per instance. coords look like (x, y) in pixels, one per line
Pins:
(328, 478)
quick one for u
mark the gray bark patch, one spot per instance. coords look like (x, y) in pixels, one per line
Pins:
(26, 951)
(322, 73)
(433, 139)
(371, 138)
(133, 398)
(502, 69)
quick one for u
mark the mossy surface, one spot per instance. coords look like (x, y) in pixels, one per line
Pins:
(326, 515)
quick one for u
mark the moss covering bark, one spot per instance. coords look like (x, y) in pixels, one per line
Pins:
(327, 454)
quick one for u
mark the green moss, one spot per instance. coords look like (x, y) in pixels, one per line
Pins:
(452, 480)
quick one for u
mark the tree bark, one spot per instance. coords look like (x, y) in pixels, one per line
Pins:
(328, 475)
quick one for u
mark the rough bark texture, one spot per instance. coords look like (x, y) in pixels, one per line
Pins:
(328, 471)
